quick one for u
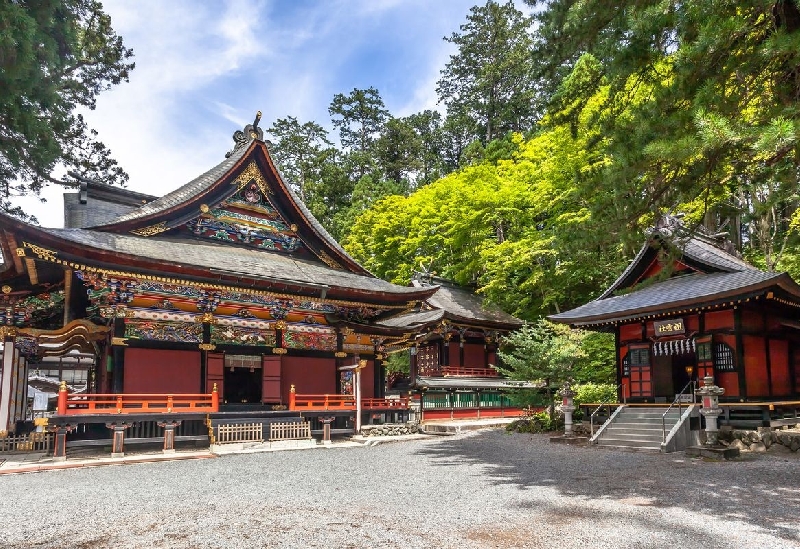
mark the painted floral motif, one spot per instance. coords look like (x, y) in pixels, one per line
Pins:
(265, 232)
(235, 335)
(310, 340)
(183, 332)
(32, 309)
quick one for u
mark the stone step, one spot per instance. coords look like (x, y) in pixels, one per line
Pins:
(629, 442)
(616, 435)
(648, 422)
(649, 414)
(631, 448)
(619, 430)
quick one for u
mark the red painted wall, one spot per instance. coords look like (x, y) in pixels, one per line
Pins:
(474, 356)
(310, 376)
(779, 367)
(752, 320)
(718, 320)
(161, 371)
(630, 332)
(368, 380)
(728, 380)
(755, 366)
(455, 359)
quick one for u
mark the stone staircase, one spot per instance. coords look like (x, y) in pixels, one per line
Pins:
(636, 428)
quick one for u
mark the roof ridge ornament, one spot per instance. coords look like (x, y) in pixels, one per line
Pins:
(242, 138)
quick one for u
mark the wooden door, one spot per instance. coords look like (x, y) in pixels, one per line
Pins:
(641, 382)
(271, 379)
(215, 366)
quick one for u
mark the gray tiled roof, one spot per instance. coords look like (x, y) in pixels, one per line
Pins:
(185, 192)
(412, 320)
(692, 248)
(465, 305)
(472, 383)
(225, 259)
(680, 291)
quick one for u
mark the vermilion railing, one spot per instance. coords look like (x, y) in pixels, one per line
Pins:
(452, 371)
(144, 403)
(321, 402)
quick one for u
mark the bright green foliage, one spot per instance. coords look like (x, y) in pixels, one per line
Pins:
(55, 57)
(701, 112)
(594, 393)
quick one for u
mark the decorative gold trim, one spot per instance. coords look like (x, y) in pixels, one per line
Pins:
(151, 230)
(207, 346)
(204, 208)
(346, 331)
(41, 253)
(281, 325)
(250, 173)
(6, 288)
(328, 260)
(379, 356)
(219, 287)
(21, 252)
(119, 341)
(8, 332)
(206, 318)
(340, 354)
(279, 351)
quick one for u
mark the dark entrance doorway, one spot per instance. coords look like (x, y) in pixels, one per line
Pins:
(242, 379)
(683, 369)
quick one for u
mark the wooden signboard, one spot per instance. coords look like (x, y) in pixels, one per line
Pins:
(669, 327)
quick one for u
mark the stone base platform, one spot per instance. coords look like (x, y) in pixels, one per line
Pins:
(718, 453)
(570, 440)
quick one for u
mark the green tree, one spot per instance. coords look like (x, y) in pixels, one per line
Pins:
(544, 353)
(300, 150)
(488, 83)
(55, 57)
(360, 117)
(701, 112)
(398, 152)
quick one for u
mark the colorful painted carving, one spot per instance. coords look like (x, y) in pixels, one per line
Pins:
(237, 335)
(32, 309)
(318, 341)
(182, 332)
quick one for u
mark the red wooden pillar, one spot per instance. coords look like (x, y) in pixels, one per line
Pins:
(292, 397)
(61, 408)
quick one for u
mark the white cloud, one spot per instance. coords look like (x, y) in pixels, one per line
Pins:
(203, 69)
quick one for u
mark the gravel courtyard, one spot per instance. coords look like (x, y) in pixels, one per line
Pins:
(485, 489)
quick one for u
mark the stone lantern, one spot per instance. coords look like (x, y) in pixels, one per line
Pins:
(710, 394)
(567, 406)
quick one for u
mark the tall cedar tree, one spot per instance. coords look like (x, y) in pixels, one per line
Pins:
(55, 57)
(488, 83)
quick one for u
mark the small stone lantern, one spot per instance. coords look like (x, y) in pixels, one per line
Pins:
(710, 394)
(567, 406)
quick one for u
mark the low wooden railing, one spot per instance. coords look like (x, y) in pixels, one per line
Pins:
(240, 432)
(84, 404)
(454, 371)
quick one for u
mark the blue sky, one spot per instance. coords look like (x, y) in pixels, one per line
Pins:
(203, 69)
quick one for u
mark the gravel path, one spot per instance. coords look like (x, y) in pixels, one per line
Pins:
(485, 489)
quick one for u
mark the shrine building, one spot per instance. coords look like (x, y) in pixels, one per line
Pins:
(228, 296)
(687, 307)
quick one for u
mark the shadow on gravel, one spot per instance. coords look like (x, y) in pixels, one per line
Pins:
(763, 491)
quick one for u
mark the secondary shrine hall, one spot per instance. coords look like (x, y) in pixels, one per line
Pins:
(225, 294)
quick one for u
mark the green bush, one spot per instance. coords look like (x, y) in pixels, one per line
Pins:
(536, 422)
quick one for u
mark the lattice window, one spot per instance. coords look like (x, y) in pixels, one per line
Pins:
(723, 358)
(428, 359)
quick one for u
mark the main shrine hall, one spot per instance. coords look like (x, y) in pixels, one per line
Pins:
(226, 287)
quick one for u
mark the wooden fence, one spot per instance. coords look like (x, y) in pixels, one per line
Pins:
(295, 430)
(34, 442)
(240, 432)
